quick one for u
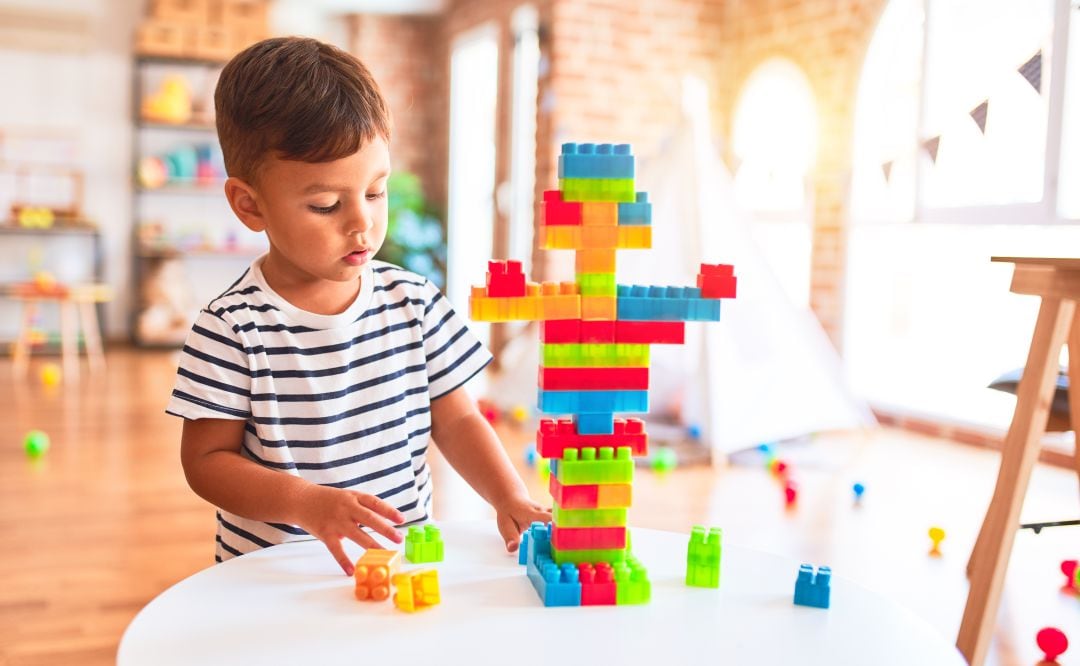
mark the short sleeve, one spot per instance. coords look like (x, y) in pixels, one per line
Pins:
(214, 377)
(453, 353)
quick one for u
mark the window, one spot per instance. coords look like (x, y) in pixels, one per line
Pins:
(526, 64)
(1068, 181)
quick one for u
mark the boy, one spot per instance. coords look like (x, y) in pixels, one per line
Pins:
(310, 388)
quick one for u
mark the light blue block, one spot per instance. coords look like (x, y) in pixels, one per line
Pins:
(589, 160)
(596, 424)
(813, 588)
(556, 586)
(592, 402)
(637, 213)
(655, 303)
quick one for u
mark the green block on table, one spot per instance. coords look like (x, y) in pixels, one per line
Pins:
(597, 189)
(592, 556)
(588, 465)
(423, 544)
(703, 555)
(632, 585)
(595, 355)
(588, 517)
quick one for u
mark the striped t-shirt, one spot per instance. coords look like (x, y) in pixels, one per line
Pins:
(341, 400)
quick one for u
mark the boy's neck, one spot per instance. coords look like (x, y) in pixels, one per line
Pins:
(307, 292)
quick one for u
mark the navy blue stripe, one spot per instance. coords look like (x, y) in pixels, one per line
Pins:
(435, 299)
(453, 366)
(177, 393)
(390, 285)
(222, 363)
(341, 346)
(265, 307)
(319, 443)
(213, 383)
(320, 397)
(272, 328)
(244, 534)
(232, 551)
(435, 396)
(394, 491)
(290, 529)
(206, 333)
(446, 317)
(446, 345)
(372, 476)
(229, 289)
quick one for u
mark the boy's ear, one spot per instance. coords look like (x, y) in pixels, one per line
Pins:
(244, 201)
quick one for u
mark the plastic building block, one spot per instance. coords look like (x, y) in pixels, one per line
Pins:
(716, 281)
(636, 237)
(597, 189)
(597, 584)
(581, 538)
(553, 437)
(560, 213)
(937, 535)
(591, 496)
(603, 402)
(594, 379)
(812, 587)
(1053, 642)
(656, 303)
(589, 465)
(373, 572)
(703, 557)
(416, 589)
(1069, 568)
(637, 213)
(595, 261)
(596, 284)
(587, 160)
(423, 544)
(622, 237)
(663, 460)
(588, 517)
(560, 331)
(632, 585)
(599, 307)
(556, 584)
(599, 214)
(650, 332)
(588, 355)
(523, 547)
(504, 278)
(590, 555)
(595, 423)
(599, 238)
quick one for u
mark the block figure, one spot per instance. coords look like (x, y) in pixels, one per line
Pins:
(703, 557)
(373, 572)
(423, 544)
(812, 587)
(416, 589)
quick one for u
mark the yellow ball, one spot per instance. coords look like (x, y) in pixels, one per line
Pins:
(50, 374)
(519, 414)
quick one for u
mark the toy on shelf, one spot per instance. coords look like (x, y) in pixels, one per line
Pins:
(423, 544)
(373, 572)
(937, 535)
(36, 443)
(703, 555)
(185, 164)
(35, 217)
(1053, 642)
(595, 337)
(171, 103)
(416, 589)
(791, 494)
(812, 587)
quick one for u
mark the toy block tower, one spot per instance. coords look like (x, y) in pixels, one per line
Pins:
(595, 337)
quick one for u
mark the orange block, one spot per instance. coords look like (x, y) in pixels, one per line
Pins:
(599, 238)
(599, 213)
(373, 572)
(594, 261)
(634, 237)
(599, 307)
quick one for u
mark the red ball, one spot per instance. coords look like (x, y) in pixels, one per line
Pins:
(1052, 642)
(790, 494)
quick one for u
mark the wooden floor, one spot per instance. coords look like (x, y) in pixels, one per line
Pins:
(105, 521)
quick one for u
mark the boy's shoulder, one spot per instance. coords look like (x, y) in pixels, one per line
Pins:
(243, 295)
(395, 279)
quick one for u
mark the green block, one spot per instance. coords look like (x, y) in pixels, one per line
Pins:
(632, 585)
(588, 517)
(596, 284)
(595, 355)
(703, 555)
(592, 556)
(588, 465)
(423, 544)
(597, 189)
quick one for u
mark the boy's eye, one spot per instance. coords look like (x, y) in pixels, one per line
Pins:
(376, 195)
(325, 210)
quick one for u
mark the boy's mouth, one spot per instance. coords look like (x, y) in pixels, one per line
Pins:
(357, 257)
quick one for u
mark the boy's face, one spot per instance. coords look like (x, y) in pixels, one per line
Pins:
(324, 220)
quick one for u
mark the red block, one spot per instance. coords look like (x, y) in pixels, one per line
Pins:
(591, 496)
(597, 584)
(587, 538)
(557, 211)
(594, 379)
(716, 281)
(552, 437)
(650, 332)
(560, 330)
(598, 331)
(719, 270)
(504, 278)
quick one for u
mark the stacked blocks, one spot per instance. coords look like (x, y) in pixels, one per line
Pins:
(423, 544)
(703, 557)
(595, 339)
(373, 572)
(812, 587)
(416, 589)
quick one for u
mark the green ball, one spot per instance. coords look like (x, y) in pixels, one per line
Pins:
(664, 460)
(36, 443)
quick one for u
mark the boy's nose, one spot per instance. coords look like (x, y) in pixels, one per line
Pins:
(360, 222)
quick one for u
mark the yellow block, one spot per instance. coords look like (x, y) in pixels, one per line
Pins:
(599, 213)
(599, 238)
(599, 307)
(594, 261)
(635, 237)
(416, 589)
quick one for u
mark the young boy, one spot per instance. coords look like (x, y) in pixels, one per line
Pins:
(310, 388)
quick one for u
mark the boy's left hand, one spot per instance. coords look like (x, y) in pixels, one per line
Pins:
(515, 515)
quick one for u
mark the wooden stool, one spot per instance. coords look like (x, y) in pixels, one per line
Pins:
(1057, 282)
(76, 303)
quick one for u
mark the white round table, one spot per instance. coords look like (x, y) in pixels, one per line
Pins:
(291, 604)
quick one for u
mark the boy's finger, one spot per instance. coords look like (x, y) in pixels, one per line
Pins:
(509, 531)
(362, 538)
(372, 520)
(335, 548)
(382, 508)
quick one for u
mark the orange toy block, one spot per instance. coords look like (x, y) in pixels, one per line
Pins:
(416, 589)
(599, 307)
(594, 261)
(634, 237)
(373, 572)
(599, 214)
(600, 238)
(560, 300)
(556, 237)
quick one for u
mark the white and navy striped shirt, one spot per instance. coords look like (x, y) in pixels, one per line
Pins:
(341, 400)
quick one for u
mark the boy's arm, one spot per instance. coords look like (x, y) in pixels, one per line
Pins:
(471, 446)
(215, 470)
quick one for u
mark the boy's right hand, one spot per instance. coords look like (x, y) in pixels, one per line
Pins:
(333, 514)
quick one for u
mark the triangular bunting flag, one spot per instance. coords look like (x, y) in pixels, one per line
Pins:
(931, 147)
(886, 169)
(978, 114)
(1032, 71)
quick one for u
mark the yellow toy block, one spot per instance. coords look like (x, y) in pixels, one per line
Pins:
(599, 238)
(560, 300)
(635, 237)
(373, 573)
(560, 237)
(594, 261)
(599, 214)
(599, 307)
(416, 589)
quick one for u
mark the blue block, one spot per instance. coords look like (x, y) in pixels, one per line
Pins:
(640, 303)
(523, 549)
(637, 213)
(592, 402)
(588, 160)
(812, 588)
(556, 586)
(596, 424)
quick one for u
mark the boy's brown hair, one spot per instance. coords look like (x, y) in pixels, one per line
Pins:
(298, 97)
